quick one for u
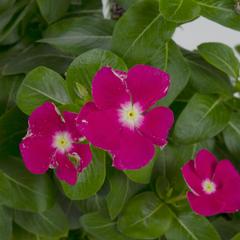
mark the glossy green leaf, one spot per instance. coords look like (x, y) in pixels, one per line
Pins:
(126, 3)
(8, 96)
(227, 228)
(52, 10)
(204, 117)
(5, 223)
(121, 189)
(77, 35)
(51, 223)
(6, 4)
(11, 18)
(145, 217)
(188, 226)
(86, 65)
(221, 11)
(232, 135)
(40, 85)
(21, 234)
(13, 127)
(238, 48)
(142, 175)
(140, 32)
(179, 10)
(221, 56)
(118, 193)
(101, 227)
(37, 55)
(20, 189)
(173, 62)
(169, 163)
(206, 79)
(90, 180)
(236, 237)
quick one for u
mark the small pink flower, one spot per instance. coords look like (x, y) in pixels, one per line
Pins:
(119, 118)
(215, 186)
(52, 141)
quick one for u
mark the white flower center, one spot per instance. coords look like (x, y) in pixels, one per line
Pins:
(208, 186)
(62, 141)
(130, 115)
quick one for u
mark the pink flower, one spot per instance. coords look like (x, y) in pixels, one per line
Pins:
(120, 120)
(215, 186)
(52, 141)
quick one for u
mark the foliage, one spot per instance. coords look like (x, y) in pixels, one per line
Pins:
(50, 50)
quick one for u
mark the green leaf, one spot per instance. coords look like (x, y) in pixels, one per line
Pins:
(170, 160)
(86, 65)
(140, 32)
(90, 180)
(34, 56)
(142, 175)
(227, 228)
(126, 3)
(188, 226)
(6, 4)
(21, 234)
(221, 56)
(22, 190)
(238, 49)
(5, 223)
(203, 117)
(206, 79)
(118, 193)
(77, 35)
(40, 85)
(220, 11)
(236, 237)
(52, 10)
(173, 62)
(8, 96)
(145, 217)
(232, 135)
(11, 18)
(179, 10)
(121, 189)
(13, 126)
(51, 223)
(101, 227)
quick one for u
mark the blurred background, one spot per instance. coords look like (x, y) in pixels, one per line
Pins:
(190, 35)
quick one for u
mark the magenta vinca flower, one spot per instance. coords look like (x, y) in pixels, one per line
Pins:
(122, 118)
(215, 186)
(52, 141)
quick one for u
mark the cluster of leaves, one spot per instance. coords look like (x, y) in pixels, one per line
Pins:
(50, 50)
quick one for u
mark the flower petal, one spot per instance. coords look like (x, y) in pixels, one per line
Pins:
(45, 120)
(37, 153)
(101, 128)
(147, 84)
(205, 164)
(84, 153)
(230, 194)
(109, 89)
(157, 123)
(225, 171)
(206, 205)
(65, 170)
(193, 181)
(70, 124)
(134, 151)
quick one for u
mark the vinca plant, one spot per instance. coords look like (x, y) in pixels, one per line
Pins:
(109, 130)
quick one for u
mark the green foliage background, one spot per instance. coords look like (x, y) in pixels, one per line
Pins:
(49, 51)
